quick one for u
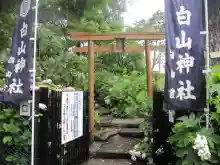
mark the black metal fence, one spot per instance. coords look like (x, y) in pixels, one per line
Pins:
(162, 130)
(48, 145)
(51, 151)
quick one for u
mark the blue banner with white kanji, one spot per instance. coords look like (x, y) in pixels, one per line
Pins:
(17, 82)
(184, 77)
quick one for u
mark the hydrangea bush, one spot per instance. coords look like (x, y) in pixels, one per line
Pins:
(201, 147)
(193, 142)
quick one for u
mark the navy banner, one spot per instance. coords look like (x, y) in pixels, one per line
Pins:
(17, 84)
(185, 80)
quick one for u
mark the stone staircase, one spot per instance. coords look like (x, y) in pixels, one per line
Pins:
(114, 139)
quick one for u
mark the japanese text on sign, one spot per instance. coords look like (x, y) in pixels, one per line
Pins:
(184, 61)
(16, 88)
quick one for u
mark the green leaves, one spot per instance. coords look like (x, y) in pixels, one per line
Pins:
(10, 158)
(67, 70)
(11, 128)
(183, 136)
(181, 152)
(16, 133)
(187, 122)
(7, 139)
(141, 96)
(129, 95)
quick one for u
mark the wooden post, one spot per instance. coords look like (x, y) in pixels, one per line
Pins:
(91, 87)
(148, 70)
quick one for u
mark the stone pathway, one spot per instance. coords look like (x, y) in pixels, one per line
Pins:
(108, 162)
(114, 140)
(116, 147)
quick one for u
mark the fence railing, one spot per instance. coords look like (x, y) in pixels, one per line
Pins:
(162, 129)
(51, 151)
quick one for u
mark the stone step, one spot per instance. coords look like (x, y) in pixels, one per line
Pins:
(108, 162)
(105, 121)
(127, 123)
(105, 134)
(102, 110)
(109, 121)
(117, 147)
(131, 132)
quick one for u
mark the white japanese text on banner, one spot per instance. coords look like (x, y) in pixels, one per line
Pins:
(185, 80)
(17, 85)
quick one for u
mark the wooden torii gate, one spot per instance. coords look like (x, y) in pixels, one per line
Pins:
(118, 40)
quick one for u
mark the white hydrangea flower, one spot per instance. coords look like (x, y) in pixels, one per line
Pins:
(136, 146)
(152, 140)
(70, 49)
(131, 152)
(146, 139)
(133, 158)
(150, 160)
(143, 156)
(202, 148)
(42, 106)
(138, 154)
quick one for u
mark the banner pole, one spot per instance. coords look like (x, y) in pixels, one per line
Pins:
(34, 85)
(207, 61)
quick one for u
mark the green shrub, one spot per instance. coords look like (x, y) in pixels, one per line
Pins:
(68, 69)
(104, 80)
(17, 136)
(128, 95)
(183, 139)
(120, 63)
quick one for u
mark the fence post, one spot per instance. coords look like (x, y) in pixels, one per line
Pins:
(36, 127)
(43, 128)
(86, 135)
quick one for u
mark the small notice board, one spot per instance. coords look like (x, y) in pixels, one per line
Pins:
(72, 116)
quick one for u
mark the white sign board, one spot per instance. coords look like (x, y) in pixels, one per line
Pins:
(72, 116)
(25, 108)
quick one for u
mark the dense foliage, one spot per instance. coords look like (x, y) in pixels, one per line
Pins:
(17, 136)
(120, 78)
(183, 138)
